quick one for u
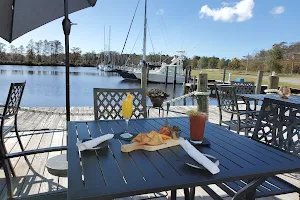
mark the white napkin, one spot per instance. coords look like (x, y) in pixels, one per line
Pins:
(199, 157)
(94, 142)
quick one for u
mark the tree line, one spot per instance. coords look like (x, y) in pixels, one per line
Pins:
(46, 52)
(281, 58)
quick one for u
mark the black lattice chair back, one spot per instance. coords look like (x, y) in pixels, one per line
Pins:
(226, 98)
(13, 99)
(278, 124)
(108, 103)
(244, 87)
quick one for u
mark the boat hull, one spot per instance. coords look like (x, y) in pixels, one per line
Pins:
(127, 75)
(161, 78)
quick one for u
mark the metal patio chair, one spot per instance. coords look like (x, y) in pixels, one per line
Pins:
(244, 88)
(227, 103)
(278, 125)
(11, 109)
(108, 103)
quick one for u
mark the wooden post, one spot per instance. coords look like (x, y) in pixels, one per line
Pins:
(202, 100)
(147, 74)
(260, 75)
(174, 82)
(194, 83)
(190, 71)
(224, 74)
(167, 74)
(186, 74)
(184, 92)
(273, 82)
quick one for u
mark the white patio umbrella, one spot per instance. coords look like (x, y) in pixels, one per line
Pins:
(18, 17)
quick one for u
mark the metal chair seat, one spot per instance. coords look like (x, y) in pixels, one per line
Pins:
(244, 123)
(272, 186)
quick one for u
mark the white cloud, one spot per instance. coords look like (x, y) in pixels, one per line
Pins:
(160, 12)
(277, 10)
(237, 12)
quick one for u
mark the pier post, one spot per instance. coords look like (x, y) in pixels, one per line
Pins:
(184, 93)
(167, 74)
(174, 82)
(144, 76)
(202, 100)
(273, 82)
(224, 74)
(194, 83)
(260, 75)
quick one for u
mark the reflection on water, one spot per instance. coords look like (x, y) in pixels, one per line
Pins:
(45, 86)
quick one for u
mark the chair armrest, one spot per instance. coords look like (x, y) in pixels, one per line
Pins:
(249, 112)
(36, 151)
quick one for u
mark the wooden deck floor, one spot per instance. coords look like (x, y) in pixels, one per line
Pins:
(47, 128)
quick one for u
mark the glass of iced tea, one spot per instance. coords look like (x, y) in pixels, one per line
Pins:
(197, 126)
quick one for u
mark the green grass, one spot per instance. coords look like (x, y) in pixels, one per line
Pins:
(217, 74)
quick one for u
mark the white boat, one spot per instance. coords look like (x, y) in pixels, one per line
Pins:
(159, 75)
(101, 67)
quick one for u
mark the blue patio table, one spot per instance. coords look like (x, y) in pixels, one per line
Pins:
(260, 97)
(108, 173)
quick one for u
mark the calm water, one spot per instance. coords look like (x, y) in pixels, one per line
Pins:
(46, 85)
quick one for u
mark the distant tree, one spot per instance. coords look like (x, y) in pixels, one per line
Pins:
(235, 64)
(221, 63)
(275, 55)
(2, 51)
(194, 62)
(30, 52)
(38, 47)
(203, 62)
(227, 61)
(46, 51)
(58, 48)
(12, 50)
(21, 50)
(75, 55)
(213, 62)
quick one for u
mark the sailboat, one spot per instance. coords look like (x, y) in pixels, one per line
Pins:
(157, 75)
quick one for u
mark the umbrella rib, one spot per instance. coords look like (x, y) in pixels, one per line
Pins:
(91, 4)
(12, 21)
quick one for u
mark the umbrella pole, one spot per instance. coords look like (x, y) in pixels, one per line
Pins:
(67, 28)
(58, 165)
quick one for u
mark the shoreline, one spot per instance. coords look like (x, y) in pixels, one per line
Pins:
(41, 64)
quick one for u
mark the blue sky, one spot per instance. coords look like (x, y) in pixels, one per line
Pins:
(200, 27)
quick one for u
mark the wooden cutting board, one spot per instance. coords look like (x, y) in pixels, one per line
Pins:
(136, 146)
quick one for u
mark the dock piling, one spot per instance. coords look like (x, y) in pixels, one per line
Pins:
(202, 100)
(273, 82)
(260, 75)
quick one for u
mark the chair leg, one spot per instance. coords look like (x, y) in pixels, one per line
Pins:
(9, 163)
(186, 193)
(8, 179)
(173, 194)
(192, 193)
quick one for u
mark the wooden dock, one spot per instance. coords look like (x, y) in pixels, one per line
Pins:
(45, 126)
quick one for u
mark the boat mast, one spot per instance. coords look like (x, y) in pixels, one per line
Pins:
(104, 47)
(144, 70)
(109, 59)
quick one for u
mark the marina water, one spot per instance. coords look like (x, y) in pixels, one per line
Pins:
(45, 85)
